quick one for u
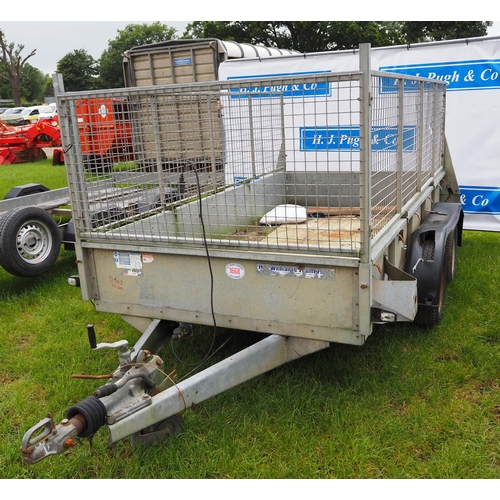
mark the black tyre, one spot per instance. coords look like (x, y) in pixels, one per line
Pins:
(56, 157)
(450, 256)
(41, 155)
(430, 315)
(30, 241)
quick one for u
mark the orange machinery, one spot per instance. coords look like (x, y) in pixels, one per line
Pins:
(105, 133)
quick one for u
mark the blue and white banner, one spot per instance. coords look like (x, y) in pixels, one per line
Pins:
(462, 75)
(348, 138)
(471, 70)
(480, 200)
(312, 89)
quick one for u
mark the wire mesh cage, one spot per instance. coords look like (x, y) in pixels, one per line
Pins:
(271, 163)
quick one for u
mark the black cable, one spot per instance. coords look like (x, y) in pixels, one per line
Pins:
(208, 354)
(212, 354)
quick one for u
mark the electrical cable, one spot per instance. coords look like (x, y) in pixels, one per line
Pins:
(211, 355)
(214, 335)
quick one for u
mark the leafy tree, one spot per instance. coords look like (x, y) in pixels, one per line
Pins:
(317, 36)
(304, 36)
(33, 84)
(79, 70)
(111, 71)
(49, 87)
(427, 31)
(12, 62)
(5, 87)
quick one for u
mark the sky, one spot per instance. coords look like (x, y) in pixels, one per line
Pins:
(54, 34)
(54, 39)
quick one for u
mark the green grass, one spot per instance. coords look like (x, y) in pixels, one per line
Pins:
(410, 403)
(40, 172)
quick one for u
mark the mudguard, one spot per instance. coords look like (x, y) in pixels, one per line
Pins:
(443, 219)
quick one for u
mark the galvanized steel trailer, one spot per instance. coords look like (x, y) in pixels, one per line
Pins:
(307, 208)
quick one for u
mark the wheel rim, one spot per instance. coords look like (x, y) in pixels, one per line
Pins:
(451, 256)
(34, 242)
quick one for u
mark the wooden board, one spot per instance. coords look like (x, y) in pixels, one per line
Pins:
(328, 232)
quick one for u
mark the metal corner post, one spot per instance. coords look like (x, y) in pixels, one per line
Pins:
(365, 278)
(366, 149)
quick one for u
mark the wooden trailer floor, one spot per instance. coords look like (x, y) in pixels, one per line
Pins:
(332, 232)
(328, 232)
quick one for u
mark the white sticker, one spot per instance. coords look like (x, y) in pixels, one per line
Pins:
(296, 271)
(128, 260)
(131, 272)
(147, 258)
(235, 271)
(103, 111)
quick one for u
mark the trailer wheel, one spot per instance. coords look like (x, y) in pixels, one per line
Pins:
(30, 241)
(157, 433)
(450, 256)
(172, 425)
(430, 315)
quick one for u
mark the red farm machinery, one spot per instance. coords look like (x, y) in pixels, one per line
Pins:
(25, 143)
(104, 131)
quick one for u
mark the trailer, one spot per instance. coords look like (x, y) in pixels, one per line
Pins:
(305, 207)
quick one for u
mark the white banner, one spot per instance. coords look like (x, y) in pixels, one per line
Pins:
(472, 70)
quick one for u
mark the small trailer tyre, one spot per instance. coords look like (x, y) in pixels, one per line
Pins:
(430, 315)
(30, 241)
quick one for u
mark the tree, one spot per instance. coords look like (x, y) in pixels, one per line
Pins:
(33, 84)
(5, 88)
(303, 36)
(79, 70)
(317, 36)
(110, 63)
(427, 31)
(12, 62)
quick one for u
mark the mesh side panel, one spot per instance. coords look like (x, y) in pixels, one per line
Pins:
(265, 164)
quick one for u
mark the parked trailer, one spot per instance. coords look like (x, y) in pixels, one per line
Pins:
(346, 215)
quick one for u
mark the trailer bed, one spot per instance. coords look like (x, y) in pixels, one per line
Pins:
(362, 152)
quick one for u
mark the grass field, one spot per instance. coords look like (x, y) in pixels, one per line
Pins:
(40, 172)
(408, 404)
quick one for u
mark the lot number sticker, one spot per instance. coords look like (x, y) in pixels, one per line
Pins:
(235, 271)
